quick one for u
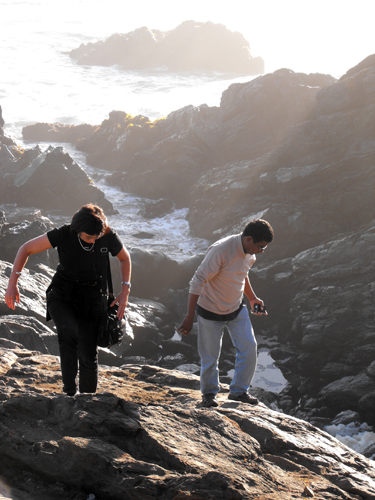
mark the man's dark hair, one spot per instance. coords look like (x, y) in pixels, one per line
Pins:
(259, 230)
(89, 219)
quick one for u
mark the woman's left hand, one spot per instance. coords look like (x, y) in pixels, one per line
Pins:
(122, 301)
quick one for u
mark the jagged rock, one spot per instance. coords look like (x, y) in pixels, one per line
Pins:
(144, 436)
(31, 333)
(346, 417)
(323, 301)
(51, 180)
(26, 227)
(192, 46)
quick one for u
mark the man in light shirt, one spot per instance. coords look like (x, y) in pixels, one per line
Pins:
(216, 293)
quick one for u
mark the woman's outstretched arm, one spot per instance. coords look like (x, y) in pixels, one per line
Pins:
(36, 245)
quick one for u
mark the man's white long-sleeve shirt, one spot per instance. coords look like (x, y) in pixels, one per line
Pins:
(220, 279)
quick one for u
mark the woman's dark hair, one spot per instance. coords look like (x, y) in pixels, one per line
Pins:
(259, 230)
(89, 219)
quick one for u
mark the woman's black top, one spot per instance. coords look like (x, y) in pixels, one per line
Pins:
(75, 263)
(78, 274)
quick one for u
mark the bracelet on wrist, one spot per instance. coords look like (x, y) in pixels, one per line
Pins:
(16, 272)
(126, 283)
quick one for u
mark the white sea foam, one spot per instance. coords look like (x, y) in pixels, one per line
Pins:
(354, 435)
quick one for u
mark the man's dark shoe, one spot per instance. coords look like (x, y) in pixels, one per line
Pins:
(244, 398)
(209, 400)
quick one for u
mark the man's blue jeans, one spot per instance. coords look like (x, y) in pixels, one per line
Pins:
(210, 334)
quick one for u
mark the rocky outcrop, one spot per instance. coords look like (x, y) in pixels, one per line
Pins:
(192, 46)
(154, 159)
(46, 180)
(323, 299)
(51, 180)
(144, 436)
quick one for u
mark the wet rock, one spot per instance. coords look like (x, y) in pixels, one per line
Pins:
(346, 417)
(155, 209)
(144, 235)
(192, 46)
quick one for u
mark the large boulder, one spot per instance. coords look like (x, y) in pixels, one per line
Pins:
(323, 303)
(30, 333)
(47, 180)
(192, 46)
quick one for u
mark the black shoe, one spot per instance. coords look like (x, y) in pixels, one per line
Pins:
(209, 400)
(244, 398)
(72, 393)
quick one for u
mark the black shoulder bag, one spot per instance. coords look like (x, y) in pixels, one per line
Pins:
(112, 329)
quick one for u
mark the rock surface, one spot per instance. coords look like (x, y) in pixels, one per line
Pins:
(192, 46)
(144, 436)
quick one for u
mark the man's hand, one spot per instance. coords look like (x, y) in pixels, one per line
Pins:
(261, 304)
(186, 325)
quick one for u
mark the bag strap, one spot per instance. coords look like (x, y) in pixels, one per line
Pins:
(109, 278)
(106, 275)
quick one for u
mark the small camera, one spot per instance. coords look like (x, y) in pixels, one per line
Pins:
(259, 309)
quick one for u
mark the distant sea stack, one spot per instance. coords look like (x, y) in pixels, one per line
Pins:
(192, 46)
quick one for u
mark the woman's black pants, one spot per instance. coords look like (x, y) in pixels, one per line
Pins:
(77, 335)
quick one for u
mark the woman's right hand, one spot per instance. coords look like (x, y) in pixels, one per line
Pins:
(12, 295)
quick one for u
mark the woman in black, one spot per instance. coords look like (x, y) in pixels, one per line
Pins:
(74, 299)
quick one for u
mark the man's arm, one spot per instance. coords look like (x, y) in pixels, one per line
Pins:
(187, 322)
(209, 268)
